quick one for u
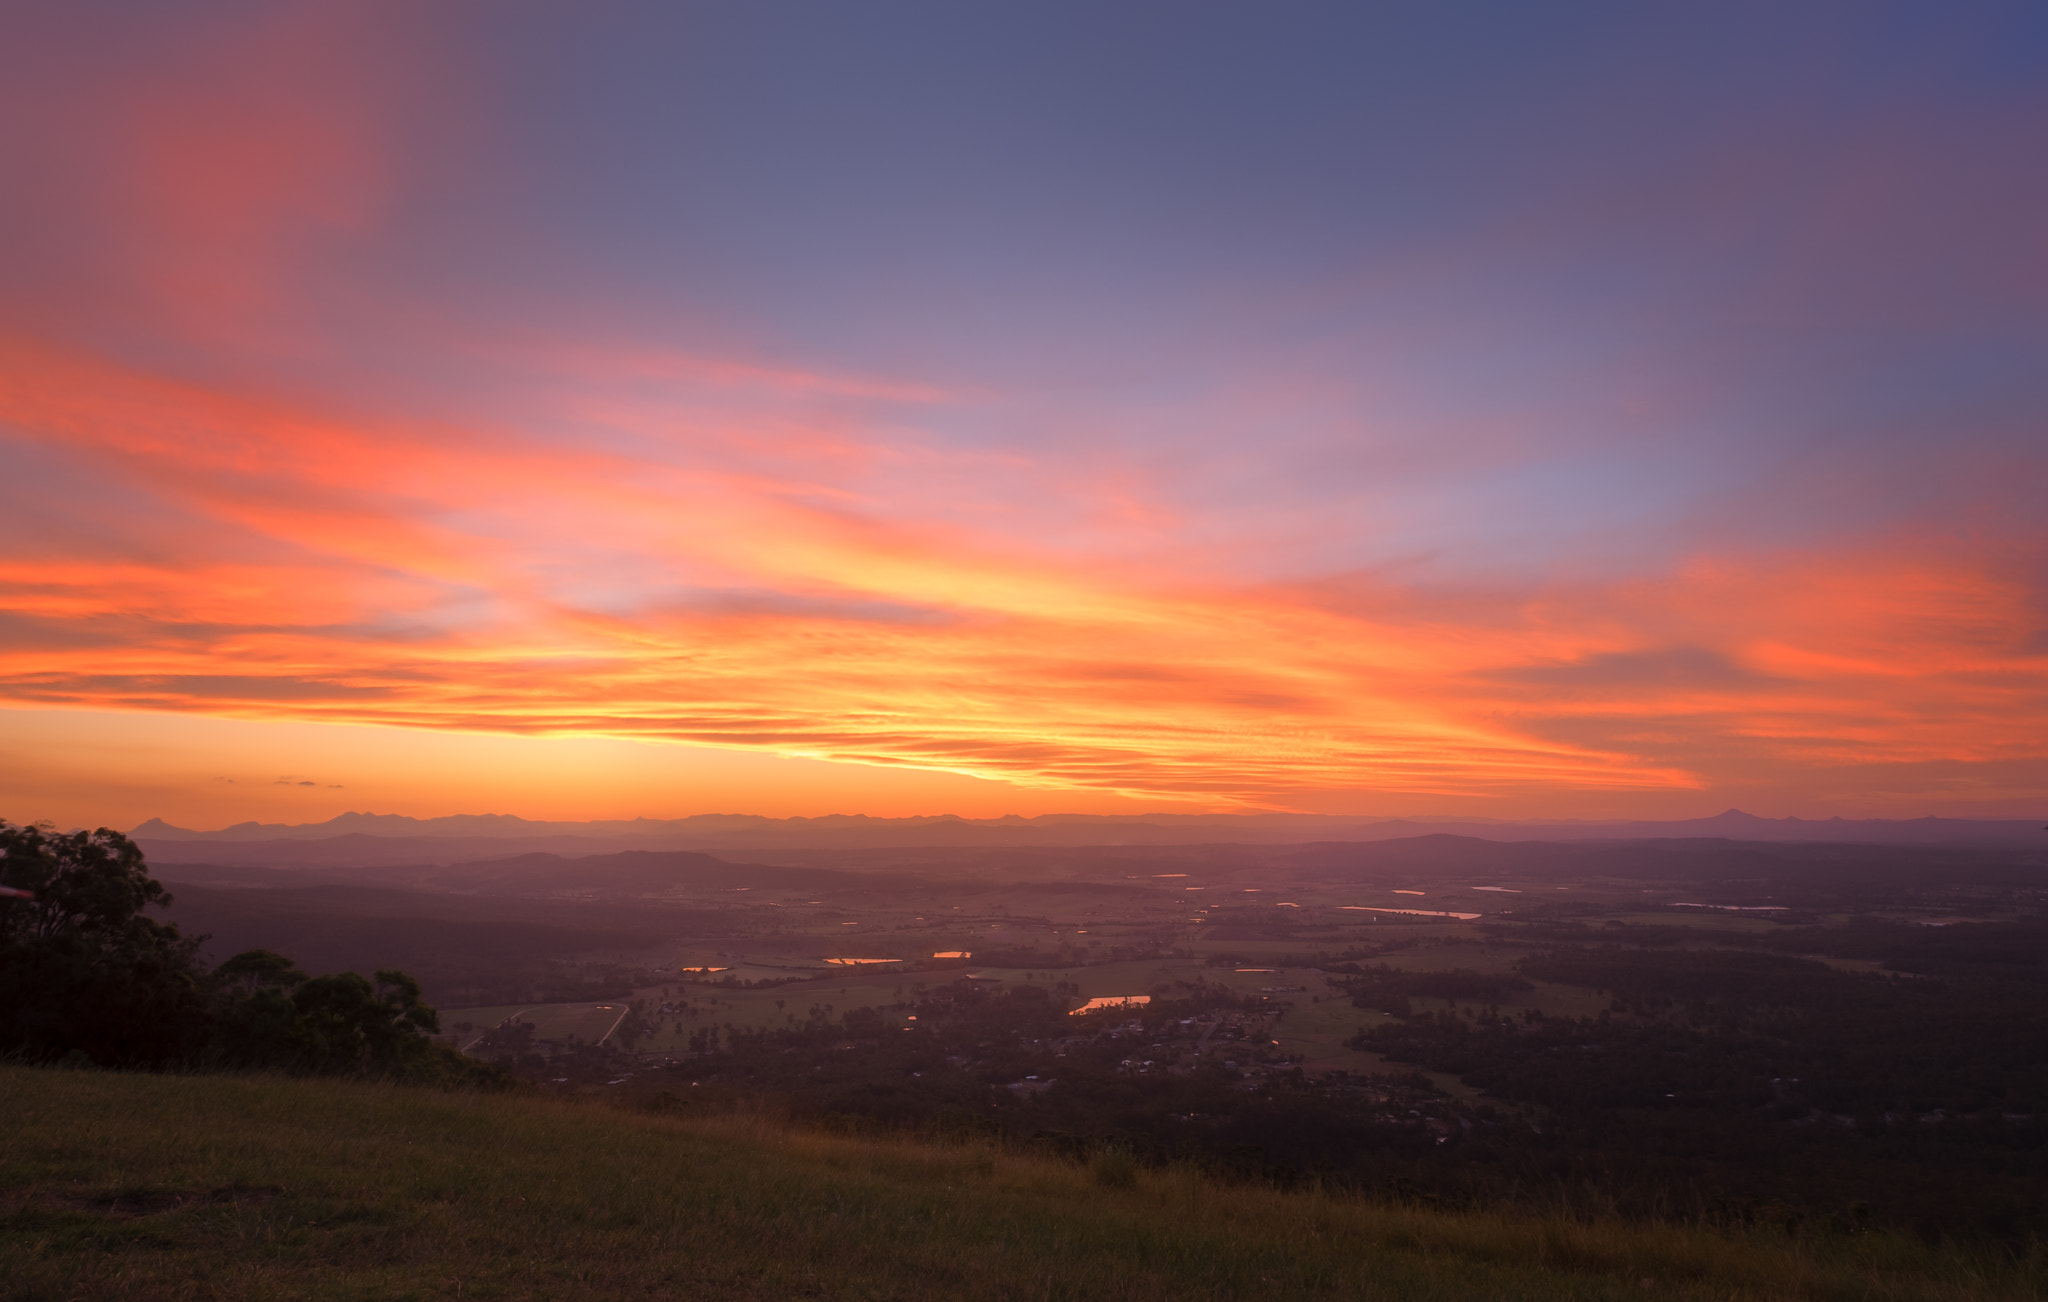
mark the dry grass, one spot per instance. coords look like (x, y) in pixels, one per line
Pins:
(143, 1187)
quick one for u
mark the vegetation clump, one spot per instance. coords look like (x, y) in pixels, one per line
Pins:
(87, 980)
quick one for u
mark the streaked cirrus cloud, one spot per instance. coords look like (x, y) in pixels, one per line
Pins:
(368, 367)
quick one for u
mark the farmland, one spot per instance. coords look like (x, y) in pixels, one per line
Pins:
(771, 963)
(1678, 1025)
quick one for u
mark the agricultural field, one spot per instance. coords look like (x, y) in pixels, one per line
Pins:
(587, 1022)
(796, 957)
(1318, 1016)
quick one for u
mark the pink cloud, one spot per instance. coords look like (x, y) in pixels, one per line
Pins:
(1033, 668)
(1333, 568)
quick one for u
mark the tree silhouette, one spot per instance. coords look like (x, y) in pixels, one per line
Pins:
(86, 978)
(83, 974)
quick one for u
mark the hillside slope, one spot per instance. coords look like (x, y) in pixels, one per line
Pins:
(141, 1187)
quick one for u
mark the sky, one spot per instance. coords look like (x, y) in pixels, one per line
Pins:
(1576, 410)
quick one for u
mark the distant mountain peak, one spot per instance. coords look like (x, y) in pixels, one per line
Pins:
(162, 831)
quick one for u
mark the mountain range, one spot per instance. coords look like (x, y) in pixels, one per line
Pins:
(366, 838)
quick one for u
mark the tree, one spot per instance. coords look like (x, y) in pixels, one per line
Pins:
(271, 1015)
(82, 971)
(255, 970)
(83, 974)
(256, 1024)
(350, 1025)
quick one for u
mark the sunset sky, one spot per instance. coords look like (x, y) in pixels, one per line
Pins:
(597, 410)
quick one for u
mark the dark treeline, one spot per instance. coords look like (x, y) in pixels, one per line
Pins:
(1918, 1090)
(86, 979)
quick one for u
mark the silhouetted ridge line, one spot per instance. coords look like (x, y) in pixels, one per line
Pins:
(391, 838)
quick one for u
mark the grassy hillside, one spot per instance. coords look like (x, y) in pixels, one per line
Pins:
(140, 1187)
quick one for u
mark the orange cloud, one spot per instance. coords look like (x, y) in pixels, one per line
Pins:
(301, 564)
(602, 537)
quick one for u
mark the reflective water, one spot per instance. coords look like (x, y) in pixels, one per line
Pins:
(1101, 1002)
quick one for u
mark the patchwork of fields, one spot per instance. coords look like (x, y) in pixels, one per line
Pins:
(798, 960)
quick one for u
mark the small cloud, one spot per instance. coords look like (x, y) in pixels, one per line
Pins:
(309, 784)
(334, 786)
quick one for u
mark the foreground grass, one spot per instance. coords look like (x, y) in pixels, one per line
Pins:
(143, 1187)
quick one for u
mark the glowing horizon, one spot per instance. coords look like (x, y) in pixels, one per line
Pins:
(500, 408)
